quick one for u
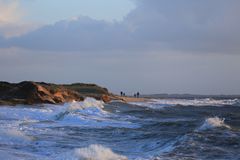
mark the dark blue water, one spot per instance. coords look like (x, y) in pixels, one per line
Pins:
(161, 129)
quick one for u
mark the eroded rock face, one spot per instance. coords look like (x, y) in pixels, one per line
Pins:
(35, 93)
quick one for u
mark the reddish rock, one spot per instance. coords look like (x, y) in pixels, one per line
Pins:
(36, 93)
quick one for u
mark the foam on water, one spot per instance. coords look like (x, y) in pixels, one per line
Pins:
(27, 113)
(97, 152)
(87, 103)
(24, 125)
(214, 122)
(90, 113)
(11, 133)
(92, 152)
(64, 132)
(89, 107)
(160, 103)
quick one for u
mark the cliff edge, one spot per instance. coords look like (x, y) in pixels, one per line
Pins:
(29, 92)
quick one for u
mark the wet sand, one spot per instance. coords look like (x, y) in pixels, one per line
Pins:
(132, 99)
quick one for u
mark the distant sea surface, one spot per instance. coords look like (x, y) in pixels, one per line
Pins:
(161, 129)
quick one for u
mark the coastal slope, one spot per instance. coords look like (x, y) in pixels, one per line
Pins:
(29, 92)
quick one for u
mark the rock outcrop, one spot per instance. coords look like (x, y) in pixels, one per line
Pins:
(39, 92)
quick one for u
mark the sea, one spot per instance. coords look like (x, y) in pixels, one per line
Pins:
(158, 129)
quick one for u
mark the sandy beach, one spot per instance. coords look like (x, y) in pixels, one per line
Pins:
(132, 99)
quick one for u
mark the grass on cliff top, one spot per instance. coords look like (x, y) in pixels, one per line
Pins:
(81, 88)
(87, 88)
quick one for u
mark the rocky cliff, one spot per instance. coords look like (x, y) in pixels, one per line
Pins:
(28, 92)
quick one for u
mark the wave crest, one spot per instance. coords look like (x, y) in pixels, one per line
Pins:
(214, 122)
(87, 103)
(89, 106)
(90, 113)
(161, 103)
(97, 152)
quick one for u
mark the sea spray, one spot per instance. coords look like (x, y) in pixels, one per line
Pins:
(97, 152)
(91, 113)
(214, 122)
(161, 103)
(89, 105)
(92, 152)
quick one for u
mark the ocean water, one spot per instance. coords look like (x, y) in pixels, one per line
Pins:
(162, 129)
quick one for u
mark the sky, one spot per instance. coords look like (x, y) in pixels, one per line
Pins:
(150, 46)
(46, 11)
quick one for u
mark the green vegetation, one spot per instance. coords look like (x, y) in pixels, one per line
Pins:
(83, 88)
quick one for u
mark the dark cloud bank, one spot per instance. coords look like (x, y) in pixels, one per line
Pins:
(188, 25)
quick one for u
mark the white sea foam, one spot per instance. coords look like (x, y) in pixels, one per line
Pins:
(214, 122)
(90, 113)
(89, 107)
(97, 152)
(13, 136)
(160, 103)
(92, 152)
(87, 103)
(31, 113)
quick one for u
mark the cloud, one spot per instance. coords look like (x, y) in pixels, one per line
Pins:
(73, 35)
(159, 25)
(188, 25)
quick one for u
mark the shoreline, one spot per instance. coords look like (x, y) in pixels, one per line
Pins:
(128, 99)
(29, 93)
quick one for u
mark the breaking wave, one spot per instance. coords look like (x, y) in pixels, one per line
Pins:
(87, 103)
(161, 103)
(92, 152)
(97, 152)
(214, 122)
(89, 107)
(92, 130)
(90, 113)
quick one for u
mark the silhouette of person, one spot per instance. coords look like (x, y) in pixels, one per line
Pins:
(121, 93)
(138, 94)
